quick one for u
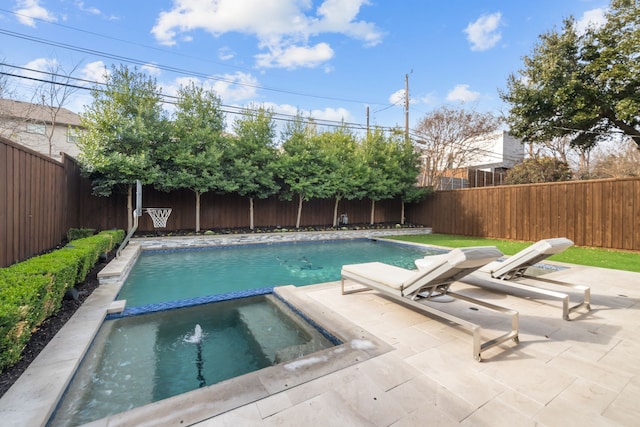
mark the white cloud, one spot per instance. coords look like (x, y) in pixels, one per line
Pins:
(91, 9)
(27, 11)
(282, 28)
(151, 69)
(334, 114)
(287, 109)
(237, 87)
(591, 18)
(94, 11)
(41, 64)
(338, 16)
(463, 94)
(483, 34)
(231, 88)
(328, 113)
(397, 97)
(292, 57)
(95, 71)
(225, 53)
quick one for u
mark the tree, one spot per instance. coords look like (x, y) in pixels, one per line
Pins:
(251, 157)
(191, 157)
(124, 124)
(302, 165)
(449, 138)
(7, 85)
(48, 99)
(583, 86)
(622, 161)
(578, 157)
(382, 168)
(539, 169)
(409, 169)
(54, 95)
(345, 174)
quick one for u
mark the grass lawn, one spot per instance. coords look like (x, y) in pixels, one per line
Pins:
(619, 260)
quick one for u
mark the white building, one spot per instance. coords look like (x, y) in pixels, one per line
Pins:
(497, 152)
(476, 162)
(47, 130)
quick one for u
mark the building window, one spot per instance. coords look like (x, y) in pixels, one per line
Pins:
(72, 136)
(36, 128)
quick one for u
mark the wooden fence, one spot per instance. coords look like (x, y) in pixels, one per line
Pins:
(40, 199)
(33, 199)
(598, 213)
(223, 211)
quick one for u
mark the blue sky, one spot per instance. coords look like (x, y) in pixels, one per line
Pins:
(327, 58)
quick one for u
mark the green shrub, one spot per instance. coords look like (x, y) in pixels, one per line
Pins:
(25, 302)
(32, 290)
(79, 233)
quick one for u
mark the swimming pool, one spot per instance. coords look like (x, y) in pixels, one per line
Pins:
(168, 275)
(138, 360)
(142, 358)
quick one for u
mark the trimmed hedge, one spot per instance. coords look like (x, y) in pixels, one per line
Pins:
(79, 233)
(32, 290)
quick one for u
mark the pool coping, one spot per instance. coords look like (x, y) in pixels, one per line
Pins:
(34, 396)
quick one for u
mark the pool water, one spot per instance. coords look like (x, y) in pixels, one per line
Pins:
(160, 276)
(142, 359)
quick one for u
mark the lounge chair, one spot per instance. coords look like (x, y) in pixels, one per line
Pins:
(510, 271)
(417, 288)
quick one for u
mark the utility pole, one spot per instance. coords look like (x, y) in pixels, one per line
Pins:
(367, 120)
(406, 106)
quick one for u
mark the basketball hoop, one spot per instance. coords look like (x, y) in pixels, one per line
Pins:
(159, 216)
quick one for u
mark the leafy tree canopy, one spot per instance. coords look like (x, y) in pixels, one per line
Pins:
(123, 125)
(580, 85)
(250, 156)
(450, 138)
(539, 169)
(302, 164)
(191, 158)
(383, 170)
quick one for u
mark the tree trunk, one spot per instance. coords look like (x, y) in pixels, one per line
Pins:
(402, 214)
(373, 211)
(251, 213)
(198, 194)
(335, 212)
(129, 207)
(299, 211)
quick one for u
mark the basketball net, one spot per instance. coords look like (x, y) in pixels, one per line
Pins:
(159, 216)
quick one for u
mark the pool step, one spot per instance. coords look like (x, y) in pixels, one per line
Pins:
(270, 331)
(296, 351)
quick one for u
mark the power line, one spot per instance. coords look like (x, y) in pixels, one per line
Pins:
(172, 99)
(170, 68)
(230, 109)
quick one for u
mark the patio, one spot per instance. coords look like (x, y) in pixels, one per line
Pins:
(585, 372)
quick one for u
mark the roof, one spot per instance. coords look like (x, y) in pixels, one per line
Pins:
(37, 112)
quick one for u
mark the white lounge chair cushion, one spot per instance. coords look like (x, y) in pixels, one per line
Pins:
(400, 278)
(528, 256)
(385, 274)
(469, 257)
